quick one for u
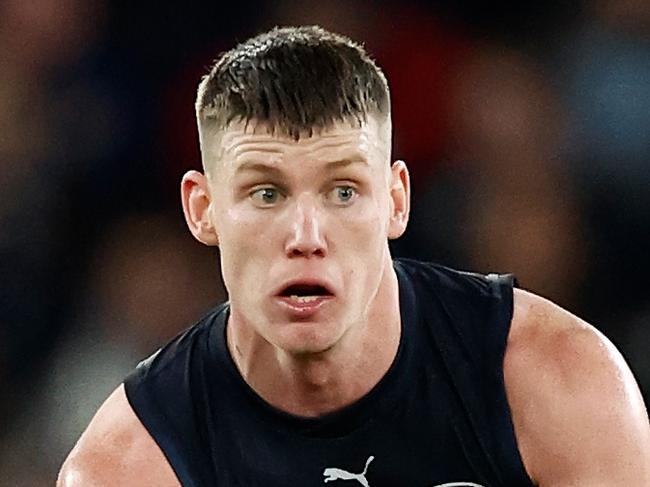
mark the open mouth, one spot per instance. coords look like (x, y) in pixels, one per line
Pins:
(305, 293)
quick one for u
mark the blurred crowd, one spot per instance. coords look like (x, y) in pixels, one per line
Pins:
(526, 130)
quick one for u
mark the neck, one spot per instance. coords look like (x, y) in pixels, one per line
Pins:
(314, 384)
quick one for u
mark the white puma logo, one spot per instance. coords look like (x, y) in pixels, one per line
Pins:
(338, 474)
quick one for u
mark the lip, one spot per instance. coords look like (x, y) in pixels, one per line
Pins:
(303, 309)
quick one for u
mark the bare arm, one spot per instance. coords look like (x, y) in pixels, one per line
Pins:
(116, 450)
(578, 413)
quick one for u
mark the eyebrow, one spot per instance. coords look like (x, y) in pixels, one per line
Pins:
(265, 168)
(346, 163)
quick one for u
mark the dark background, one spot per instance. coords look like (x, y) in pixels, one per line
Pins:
(526, 129)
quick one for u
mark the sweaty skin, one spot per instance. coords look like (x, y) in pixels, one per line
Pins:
(323, 208)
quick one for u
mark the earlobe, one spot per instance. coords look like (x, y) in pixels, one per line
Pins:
(195, 196)
(400, 194)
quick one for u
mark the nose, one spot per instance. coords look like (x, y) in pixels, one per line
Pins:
(306, 238)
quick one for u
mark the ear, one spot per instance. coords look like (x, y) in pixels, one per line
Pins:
(400, 195)
(195, 196)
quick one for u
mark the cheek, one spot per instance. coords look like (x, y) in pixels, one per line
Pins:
(367, 224)
(245, 244)
(361, 242)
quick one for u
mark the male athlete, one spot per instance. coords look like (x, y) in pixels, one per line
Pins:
(332, 362)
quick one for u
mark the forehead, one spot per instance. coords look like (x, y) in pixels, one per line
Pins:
(241, 142)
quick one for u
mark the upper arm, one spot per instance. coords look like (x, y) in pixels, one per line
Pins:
(116, 450)
(578, 413)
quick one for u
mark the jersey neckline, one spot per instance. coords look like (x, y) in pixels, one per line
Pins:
(384, 396)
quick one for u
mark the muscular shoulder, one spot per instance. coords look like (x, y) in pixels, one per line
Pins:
(116, 450)
(577, 410)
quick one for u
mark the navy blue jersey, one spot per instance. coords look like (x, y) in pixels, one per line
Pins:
(439, 417)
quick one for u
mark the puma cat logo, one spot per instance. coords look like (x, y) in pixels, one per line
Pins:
(338, 474)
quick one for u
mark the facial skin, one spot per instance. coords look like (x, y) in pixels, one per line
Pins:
(319, 209)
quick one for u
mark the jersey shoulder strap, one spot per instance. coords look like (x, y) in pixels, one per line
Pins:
(163, 390)
(467, 318)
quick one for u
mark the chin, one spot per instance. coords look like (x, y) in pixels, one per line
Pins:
(307, 341)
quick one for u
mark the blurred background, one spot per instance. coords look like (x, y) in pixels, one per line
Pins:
(526, 129)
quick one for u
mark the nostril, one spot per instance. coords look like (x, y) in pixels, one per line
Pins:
(295, 252)
(307, 253)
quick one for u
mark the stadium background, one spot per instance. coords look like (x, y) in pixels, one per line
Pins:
(527, 131)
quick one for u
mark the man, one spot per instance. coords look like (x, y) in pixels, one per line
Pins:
(331, 362)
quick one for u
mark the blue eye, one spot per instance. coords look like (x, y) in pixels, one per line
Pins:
(265, 196)
(344, 194)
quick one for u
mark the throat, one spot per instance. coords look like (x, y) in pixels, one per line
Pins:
(311, 385)
(320, 385)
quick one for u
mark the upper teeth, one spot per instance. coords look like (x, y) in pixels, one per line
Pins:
(304, 299)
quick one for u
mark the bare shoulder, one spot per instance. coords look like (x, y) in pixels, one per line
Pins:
(116, 450)
(578, 413)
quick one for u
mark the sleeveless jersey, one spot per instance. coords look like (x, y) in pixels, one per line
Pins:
(438, 417)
